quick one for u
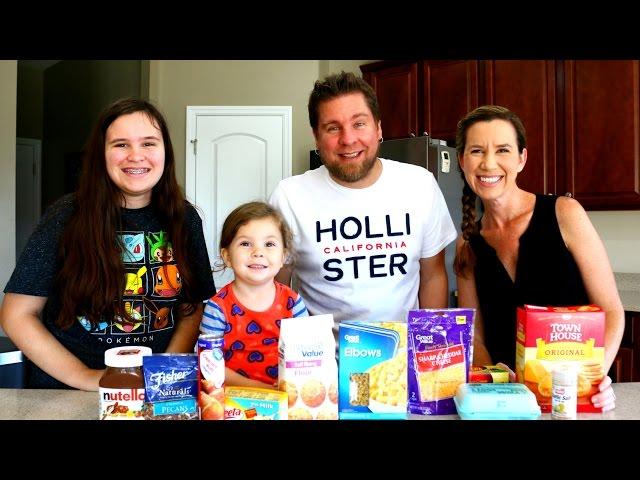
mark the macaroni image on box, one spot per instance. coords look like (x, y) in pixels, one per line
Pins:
(248, 403)
(439, 358)
(548, 335)
(373, 370)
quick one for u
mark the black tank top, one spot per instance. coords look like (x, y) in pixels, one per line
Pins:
(546, 274)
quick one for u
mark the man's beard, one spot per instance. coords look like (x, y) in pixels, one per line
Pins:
(351, 173)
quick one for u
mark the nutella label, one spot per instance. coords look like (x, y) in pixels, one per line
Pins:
(121, 403)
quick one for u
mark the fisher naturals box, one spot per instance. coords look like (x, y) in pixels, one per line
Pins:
(373, 370)
(547, 336)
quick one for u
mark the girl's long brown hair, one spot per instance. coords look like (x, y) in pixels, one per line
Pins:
(92, 277)
(465, 259)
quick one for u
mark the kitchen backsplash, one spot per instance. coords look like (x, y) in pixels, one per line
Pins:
(628, 281)
(629, 288)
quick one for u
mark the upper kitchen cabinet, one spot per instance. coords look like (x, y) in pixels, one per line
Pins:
(582, 117)
(528, 87)
(423, 96)
(396, 86)
(602, 132)
(449, 91)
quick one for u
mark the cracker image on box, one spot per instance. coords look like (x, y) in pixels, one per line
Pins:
(439, 358)
(373, 370)
(307, 368)
(546, 336)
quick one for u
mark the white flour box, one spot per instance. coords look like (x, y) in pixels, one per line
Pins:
(307, 368)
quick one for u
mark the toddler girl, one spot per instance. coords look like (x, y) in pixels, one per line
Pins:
(255, 242)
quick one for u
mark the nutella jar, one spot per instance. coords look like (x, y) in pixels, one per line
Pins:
(122, 384)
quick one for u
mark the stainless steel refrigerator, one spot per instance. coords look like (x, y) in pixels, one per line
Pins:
(439, 159)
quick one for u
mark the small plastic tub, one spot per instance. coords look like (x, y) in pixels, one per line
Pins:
(496, 401)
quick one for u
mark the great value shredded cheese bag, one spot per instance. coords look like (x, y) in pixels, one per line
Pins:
(440, 349)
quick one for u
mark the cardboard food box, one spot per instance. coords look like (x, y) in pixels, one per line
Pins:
(307, 368)
(547, 336)
(373, 370)
(249, 403)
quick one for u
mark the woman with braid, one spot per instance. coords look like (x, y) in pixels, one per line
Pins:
(526, 248)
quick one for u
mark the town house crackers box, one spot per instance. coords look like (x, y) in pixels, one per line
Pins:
(549, 335)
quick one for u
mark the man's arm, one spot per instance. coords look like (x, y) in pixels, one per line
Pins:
(433, 291)
(468, 298)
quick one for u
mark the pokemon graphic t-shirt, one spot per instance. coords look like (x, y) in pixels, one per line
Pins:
(251, 338)
(153, 286)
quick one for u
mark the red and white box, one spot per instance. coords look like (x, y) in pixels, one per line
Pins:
(548, 336)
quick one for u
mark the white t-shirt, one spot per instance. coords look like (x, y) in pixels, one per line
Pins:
(358, 250)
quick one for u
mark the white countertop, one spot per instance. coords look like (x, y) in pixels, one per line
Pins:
(32, 404)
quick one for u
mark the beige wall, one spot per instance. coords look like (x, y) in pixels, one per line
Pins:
(620, 233)
(176, 84)
(8, 92)
(336, 66)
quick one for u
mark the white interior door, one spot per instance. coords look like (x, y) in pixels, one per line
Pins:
(234, 155)
(28, 170)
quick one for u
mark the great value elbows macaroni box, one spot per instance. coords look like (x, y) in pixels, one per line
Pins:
(547, 336)
(373, 370)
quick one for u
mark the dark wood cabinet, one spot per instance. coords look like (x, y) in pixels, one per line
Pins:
(622, 368)
(582, 117)
(602, 133)
(449, 91)
(396, 87)
(626, 366)
(528, 87)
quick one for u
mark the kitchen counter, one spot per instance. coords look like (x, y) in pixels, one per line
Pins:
(629, 289)
(30, 404)
(630, 300)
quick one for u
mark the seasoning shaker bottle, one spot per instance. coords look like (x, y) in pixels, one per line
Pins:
(564, 392)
